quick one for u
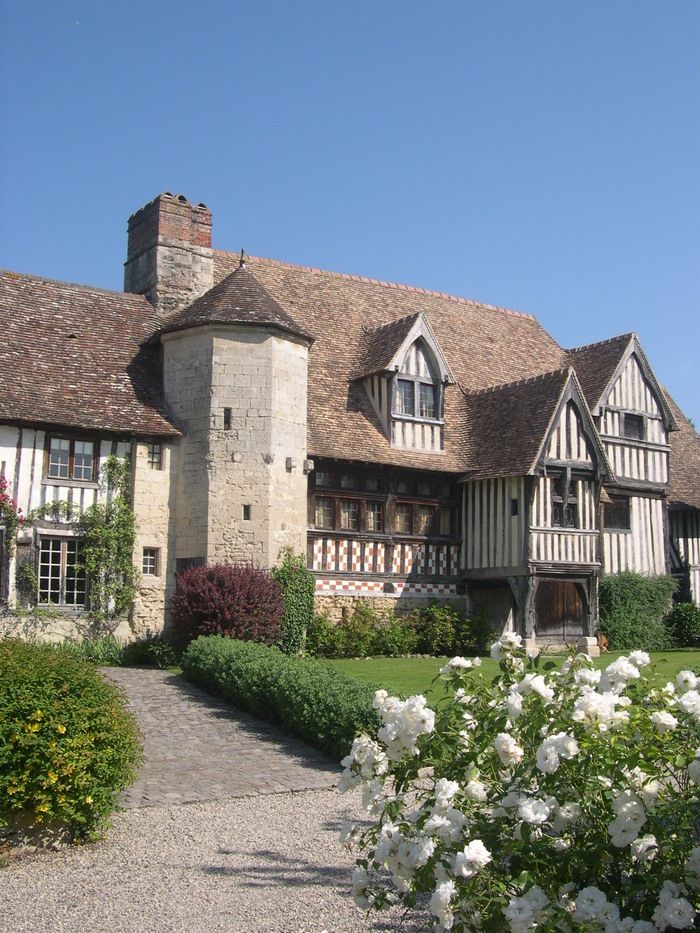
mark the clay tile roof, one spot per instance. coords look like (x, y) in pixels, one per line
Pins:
(75, 356)
(484, 346)
(506, 425)
(684, 489)
(595, 365)
(237, 299)
(377, 346)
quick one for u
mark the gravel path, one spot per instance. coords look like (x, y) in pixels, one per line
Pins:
(255, 853)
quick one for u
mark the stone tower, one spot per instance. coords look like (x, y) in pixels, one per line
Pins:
(235, 379)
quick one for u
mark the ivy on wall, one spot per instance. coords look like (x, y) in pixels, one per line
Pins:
(108, 532)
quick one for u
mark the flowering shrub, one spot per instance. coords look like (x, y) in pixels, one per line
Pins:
(541, 801)
(67, 743)
(10, 515)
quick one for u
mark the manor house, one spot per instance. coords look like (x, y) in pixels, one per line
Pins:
(415, 445)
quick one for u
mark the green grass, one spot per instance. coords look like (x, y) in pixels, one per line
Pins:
(407, 676)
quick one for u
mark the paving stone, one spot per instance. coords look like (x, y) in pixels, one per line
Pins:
(197, 748)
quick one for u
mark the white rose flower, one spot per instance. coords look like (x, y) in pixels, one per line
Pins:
(677, 913)
(644, 848)
(591, 904)
(687, 680)
(533, 810)
(456, 665)
(476, 791)
(663, 722)
(639, 658)
(360, 881)
(508, 750)
(444, 793)
(514, 704)
(440, 902)
(690, 703)
(471, 859)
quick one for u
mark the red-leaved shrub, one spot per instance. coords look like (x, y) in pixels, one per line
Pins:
(236, 600)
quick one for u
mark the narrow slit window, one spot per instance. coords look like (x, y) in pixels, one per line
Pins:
(247, 513)
(227, 419)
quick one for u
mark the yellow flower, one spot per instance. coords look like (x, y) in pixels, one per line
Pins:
(42, 808)
(60, 728)
(53, 777)
(88, 799)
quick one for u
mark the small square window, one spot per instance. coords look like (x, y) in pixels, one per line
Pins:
(323, 478)
(154, 456)
(348, 481)
(633, 427)
(150, 562)
(514, 507)
(616, 514)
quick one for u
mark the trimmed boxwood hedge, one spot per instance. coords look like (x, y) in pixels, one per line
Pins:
(67, 743)
(307, 698)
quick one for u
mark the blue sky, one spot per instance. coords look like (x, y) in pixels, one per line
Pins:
(543, 156)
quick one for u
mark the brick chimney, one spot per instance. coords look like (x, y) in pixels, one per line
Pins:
(169, 255)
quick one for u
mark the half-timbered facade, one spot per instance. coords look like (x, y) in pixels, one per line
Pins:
(419, 446)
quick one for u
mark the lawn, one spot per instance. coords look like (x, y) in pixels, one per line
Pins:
(408, 676)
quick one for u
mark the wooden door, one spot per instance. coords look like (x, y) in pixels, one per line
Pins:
(560, 611)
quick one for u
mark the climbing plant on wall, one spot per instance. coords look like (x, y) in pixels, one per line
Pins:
(108, 531)
(10, 516)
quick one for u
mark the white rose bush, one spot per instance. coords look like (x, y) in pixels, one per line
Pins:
(544, 800)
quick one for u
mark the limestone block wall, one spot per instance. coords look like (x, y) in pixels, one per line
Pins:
(187, 367)
(239, 396)
(257, 446)
(153, 494)
(340, 607)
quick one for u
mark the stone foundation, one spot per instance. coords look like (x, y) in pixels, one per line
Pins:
(339, 607)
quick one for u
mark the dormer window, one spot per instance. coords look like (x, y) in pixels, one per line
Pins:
(416, 389)
(404, 376)
(633, 426)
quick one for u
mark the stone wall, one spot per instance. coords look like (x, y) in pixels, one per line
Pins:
(239, 395)
(339, 607)
(153, 494)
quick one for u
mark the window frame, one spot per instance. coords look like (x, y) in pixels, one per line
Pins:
(639, 432)
(154, 555)
(154, 456)
(66, 579)
(71, 477)
(615, 502)
(417, 382)
(565, 500)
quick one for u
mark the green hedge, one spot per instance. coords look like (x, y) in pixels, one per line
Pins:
(633, 608)
(67, 743)
(309, 699)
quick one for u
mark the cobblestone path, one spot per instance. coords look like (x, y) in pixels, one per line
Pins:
(197, 748)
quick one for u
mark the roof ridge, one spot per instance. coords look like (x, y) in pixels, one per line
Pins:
(364, 280)
(600, 343)
(517, 382)
(79, 285)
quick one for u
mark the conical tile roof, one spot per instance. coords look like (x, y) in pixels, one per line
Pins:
(237, 299)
